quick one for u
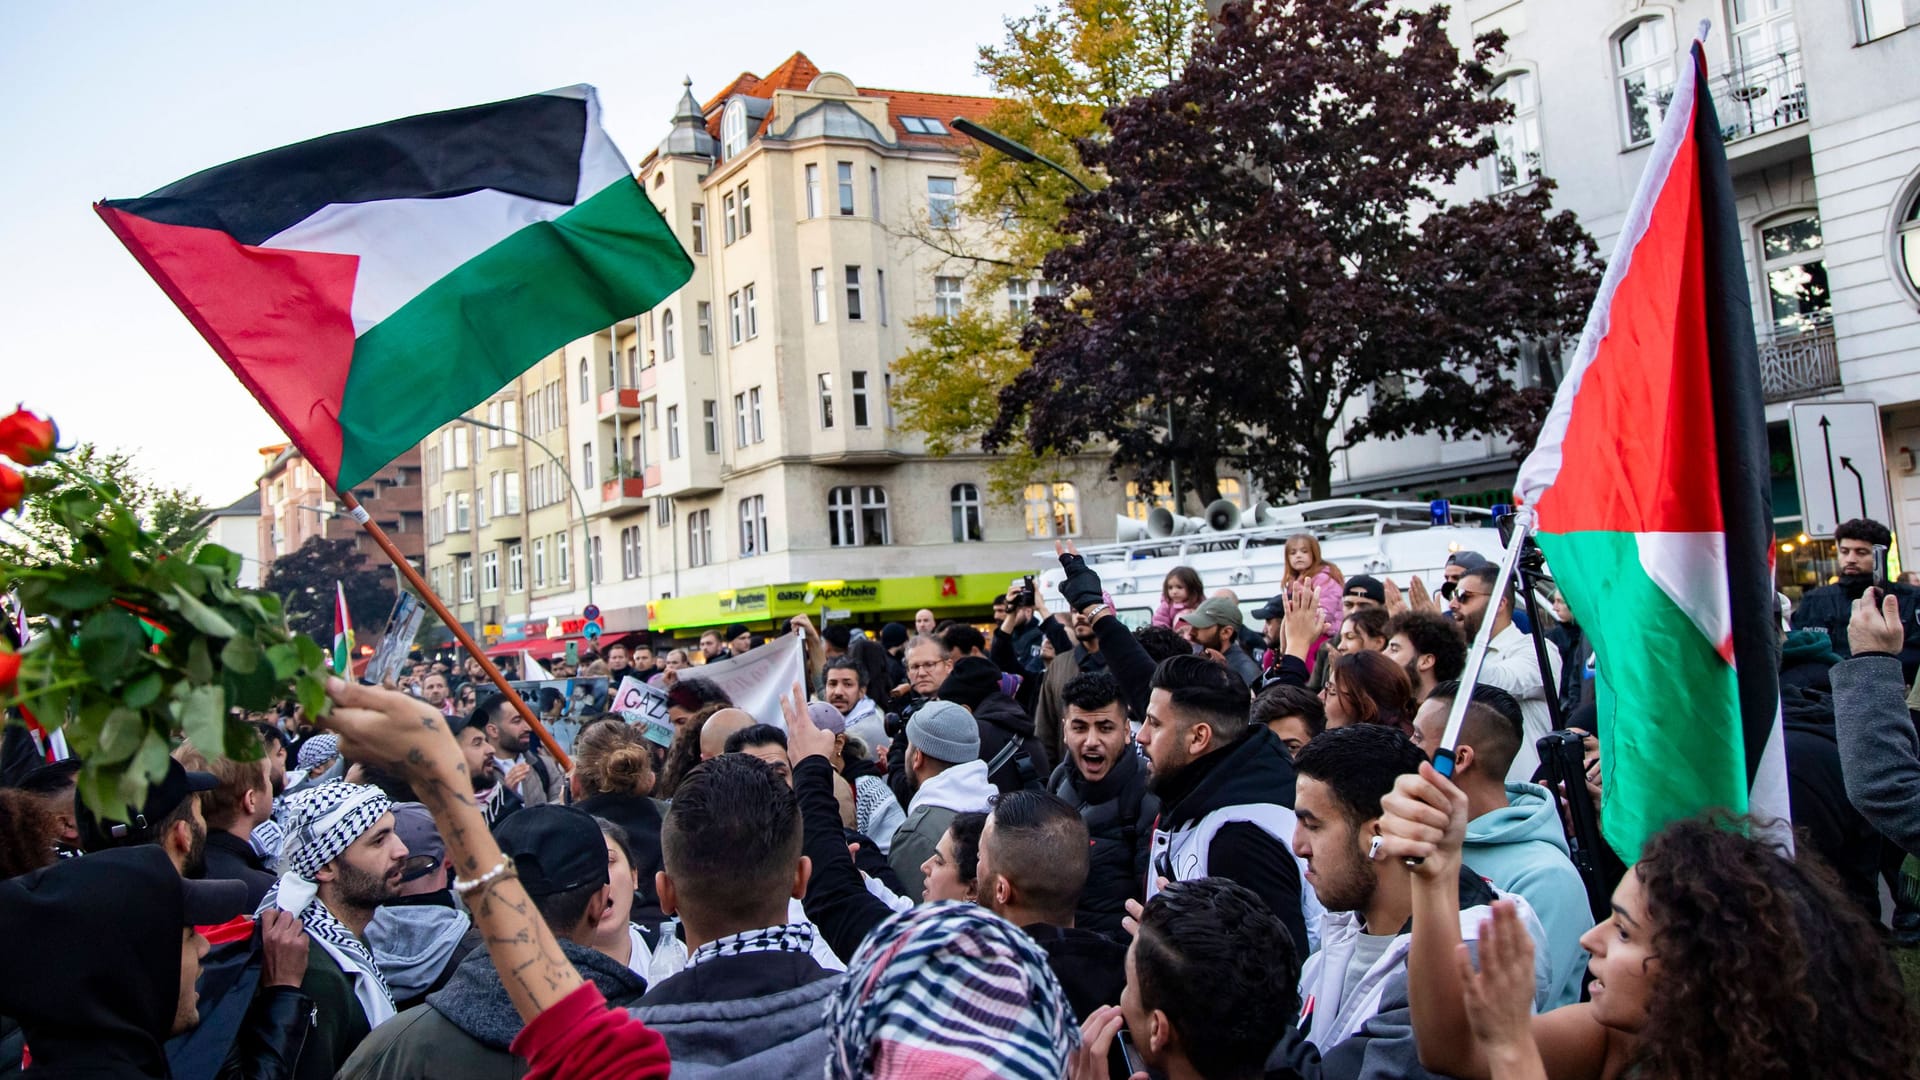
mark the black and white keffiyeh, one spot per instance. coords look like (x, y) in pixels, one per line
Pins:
(321, 823)
(793, 937)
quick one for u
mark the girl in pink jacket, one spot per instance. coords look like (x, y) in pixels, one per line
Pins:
(1306, 564)
(1181, 592)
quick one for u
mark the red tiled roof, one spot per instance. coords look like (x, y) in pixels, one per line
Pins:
(797, 72)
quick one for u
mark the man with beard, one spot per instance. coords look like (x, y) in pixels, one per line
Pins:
(495, 799)
(343, 858)
(1829, 607)
(713, 646)
(242, 801)
(1225, 786)
(523, 763)
(846, 691)
(1429, 647)
(1217, 626)
(170, 819)
(1511, 663)
(435, 692)
(1105, 779)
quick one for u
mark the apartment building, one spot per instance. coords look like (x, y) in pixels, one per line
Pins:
(295, 504)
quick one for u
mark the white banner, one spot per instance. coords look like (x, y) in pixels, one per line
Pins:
(758, 680)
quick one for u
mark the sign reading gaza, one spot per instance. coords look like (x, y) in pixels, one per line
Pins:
(822, 592)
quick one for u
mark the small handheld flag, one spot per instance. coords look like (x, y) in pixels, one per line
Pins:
(342, 633)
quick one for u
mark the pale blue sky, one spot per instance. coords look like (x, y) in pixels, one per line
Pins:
(112, 100)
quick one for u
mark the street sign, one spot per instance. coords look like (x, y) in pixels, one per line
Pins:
(592, 631)
(1839, 461)
(591, 612)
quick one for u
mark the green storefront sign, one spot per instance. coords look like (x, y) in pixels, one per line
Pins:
(869, 600)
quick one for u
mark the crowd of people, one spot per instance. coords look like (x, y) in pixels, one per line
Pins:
(1212, 846)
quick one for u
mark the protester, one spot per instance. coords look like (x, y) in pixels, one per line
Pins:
(763, 741)
(712, 646)
(435, 690)
(1217, 627)
(846, 691)
(241, 801)
(718, 728)
(1363, 631)
(1457, 566)
(685, 751)
(1879, 750)
(949, 990)
(1180, 593)
(1428, 647)
(618, 936)
(525, 766)
(419, 937)
(27, 832)
(170, 819)
(1014, 757)
(1514, 836)
(675, 661)
(1678, 987)
(318, 761)
(1362, 591)
(1830, 607)
(613, 779)
(1368, 688)
(739, 641)
(877, 814)
(494, 798)
(877, 674)
(1576, 654)
(1511, 663)
(947, 778)
(1293, 713)
(267, 835)
(54, 787)
(1225, 787)
(1104, 777)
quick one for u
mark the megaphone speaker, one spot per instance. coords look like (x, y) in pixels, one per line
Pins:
(1222, 514)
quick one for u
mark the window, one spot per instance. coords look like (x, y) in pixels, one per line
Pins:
(446, 461)
(886, 397)
(630, 552)
(673, 433)
(739, 419)
(1141, 502)
(1516, 140)
(844, 170)
(1796, 276)
(699, 538)
(710, 423)
(703, 317)
(730, 217)
(540, 562)
(586, 462)
(462, 511)
(1231, 491)
(857, 517)
(1018, 305)
(1643, 58)
(516, 569)
(923, 125)
(563, 557)
(733, 128)
(753, 526)
(554, 390)
(819, 278)
(853, 293)
(462, 446)
(943, 211)
(753, 404)
(666, 335)
(1052, 510)
(813, 191)
(596, 569)
(639, 458)
(746, 210)
(493, 418)
(965, 499)
(946, 297)
(586, 382)
(511, 504)
(736, 324)
(873, 192)
(858, 386)
(826, 400)
(1907, 241)
(880, 276)
(466, 577)
(613, 368)
(1878, 18)
(510, 419)
(699, 229)
(753, 313)
(490, 572)
(438, 577)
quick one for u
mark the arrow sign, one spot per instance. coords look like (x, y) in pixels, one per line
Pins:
(1860, 481)
(1833, 487)
(1848, 445)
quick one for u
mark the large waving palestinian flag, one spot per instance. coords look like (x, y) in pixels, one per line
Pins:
(369, 286)
(1649, 485)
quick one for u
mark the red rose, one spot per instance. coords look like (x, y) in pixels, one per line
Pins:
(26, 438)
(9, 671)
(13, 488)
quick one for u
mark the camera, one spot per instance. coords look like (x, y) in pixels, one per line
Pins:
(1026, 597)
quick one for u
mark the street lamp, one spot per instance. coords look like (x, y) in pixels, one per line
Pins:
(1025, 156)
(585, 537)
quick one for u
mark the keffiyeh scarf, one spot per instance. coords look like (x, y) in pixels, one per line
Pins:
(792, 937)
(954, 991)
(321, 823)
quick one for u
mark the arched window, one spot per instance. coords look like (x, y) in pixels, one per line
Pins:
(965, 500)
(666, 335)
(586, 381)
(857, 517)
(1516, 140)
(733, 128)
(1906, 241)
(1052, 510)
(1643, 65)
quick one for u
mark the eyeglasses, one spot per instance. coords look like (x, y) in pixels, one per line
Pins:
(1464, 597)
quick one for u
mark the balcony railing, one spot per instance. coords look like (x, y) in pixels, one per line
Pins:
(1760, 96)
(1798, 365)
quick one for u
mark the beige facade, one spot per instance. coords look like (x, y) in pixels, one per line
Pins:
(296, 504)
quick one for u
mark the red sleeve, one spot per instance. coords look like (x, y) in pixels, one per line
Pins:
(580, 1038)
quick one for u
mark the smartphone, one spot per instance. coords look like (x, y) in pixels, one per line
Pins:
(573, 654)
(1135, 1064)
(1879, 564)
(1026, 591)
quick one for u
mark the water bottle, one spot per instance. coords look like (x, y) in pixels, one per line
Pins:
(669, 954)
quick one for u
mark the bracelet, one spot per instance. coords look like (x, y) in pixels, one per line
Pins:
(502, 869)
(1096, 612)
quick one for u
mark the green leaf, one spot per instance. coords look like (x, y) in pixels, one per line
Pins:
(199, 661)
(100, 790)
(119, 737)
(201, 717)
(312, 657)
(256, 690)
(285, 660)
(143, 691)
(241, 654)
(76, 594)
(204, 619)
(110, 639)
(151, 761)
(313, 696)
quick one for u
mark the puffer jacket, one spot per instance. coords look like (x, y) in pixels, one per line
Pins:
(1119, 812)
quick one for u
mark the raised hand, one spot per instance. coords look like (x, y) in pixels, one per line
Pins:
(1396, 600)
(1875, 626)
(1499, 996)
(1081, 587)
(1304, 622)
(1424, 817)
(805, 739)
(1419, 599)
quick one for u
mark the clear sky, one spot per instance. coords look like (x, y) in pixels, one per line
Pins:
(112, 100)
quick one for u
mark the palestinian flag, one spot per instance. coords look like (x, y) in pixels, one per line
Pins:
(371, 285)
(1649, 486)
(342, 632)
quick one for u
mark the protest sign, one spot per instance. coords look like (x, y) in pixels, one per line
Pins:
(757, 680)
(391, 656)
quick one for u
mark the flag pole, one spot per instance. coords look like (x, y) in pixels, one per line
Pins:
(419, 584)
(1477, 657)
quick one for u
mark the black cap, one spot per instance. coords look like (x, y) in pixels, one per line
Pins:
(1275, 608)
(1364, 585)
(163, 798)
(734, 631)
(210, 903)
(555, 849)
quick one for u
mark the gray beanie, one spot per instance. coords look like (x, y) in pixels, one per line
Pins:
(944, 731)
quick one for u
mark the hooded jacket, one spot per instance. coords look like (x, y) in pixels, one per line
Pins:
(415, 945)
(1230, 814)
(1523, 850)
(464, 1029)
(755, 1015)
(1119, 812)
(1002, 721)
(1830, 608)
(91, 970)
(1806, 656)
(960, 789)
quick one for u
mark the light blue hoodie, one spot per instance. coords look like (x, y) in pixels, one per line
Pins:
(1522, 849)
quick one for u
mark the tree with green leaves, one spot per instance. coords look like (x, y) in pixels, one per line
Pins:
(171, 514)
(304, 581)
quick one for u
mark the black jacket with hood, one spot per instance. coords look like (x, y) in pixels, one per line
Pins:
(975, 684)
(1119, 812)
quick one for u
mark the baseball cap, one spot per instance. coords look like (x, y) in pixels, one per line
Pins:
(1367, 586)
(945, 731)
(554, 848)
(1275, 608)
(1213, 611)
(163, 798)
(425, 850)
(1467, 560)
(826, 717)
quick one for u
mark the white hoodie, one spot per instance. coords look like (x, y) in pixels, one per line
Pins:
(962, 789)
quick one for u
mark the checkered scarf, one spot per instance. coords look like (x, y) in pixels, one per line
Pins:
(953, 992)
(792, 937)
(321, 823)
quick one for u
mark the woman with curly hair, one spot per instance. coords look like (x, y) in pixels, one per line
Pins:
(1721, 958)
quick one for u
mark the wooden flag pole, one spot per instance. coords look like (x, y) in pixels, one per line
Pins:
(419, 584)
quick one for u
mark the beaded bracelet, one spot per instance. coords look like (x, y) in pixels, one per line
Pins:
(502, 869)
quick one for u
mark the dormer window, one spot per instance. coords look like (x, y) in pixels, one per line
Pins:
(923, 125)
(733, 128)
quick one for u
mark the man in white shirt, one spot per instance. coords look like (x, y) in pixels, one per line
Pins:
(1511, 664)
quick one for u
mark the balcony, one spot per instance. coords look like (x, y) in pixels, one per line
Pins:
(1755, 98)
(623, 403)
(627, 494)
(1799, 365)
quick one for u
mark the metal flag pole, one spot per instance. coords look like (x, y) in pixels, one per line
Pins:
(419, 584)
(1477, 656)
